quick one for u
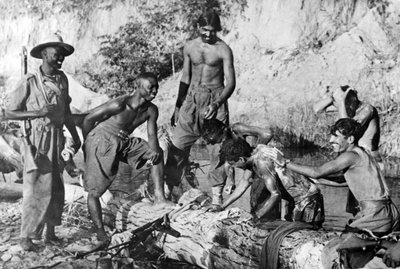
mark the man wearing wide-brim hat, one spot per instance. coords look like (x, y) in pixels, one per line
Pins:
(42, 101)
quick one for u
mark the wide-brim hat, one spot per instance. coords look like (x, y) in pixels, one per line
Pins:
(54, 40)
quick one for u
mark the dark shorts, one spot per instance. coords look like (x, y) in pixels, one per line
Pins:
(104, 151)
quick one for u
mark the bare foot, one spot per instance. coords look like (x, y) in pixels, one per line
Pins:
(27, 244)
(103, 239)
(163, 203)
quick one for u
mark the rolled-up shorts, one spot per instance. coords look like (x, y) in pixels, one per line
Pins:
(191, 115)
(104, 151)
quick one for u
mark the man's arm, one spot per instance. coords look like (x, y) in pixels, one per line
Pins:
(70, 124)
(243, 185)
(152, 128)
(323, 104)
(28, 115)
(264, 135)
(364, 114)
(343, 161)
(183, 85)
(273, 200)
(100, 114)
(230, 83)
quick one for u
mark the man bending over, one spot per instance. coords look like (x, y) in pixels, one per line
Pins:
(106, 132)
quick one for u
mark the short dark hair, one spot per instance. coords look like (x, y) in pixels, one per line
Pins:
(351, 102)
(347, 127)
(234, 148)
(212, 127)
(147, 75)
(210, 17)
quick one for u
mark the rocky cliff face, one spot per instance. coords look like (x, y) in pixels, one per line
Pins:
(287, 55)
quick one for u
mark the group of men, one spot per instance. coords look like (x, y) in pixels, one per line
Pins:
(41, 99)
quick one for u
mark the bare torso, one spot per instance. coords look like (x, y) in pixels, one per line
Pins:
(130, 116)
(207, 62)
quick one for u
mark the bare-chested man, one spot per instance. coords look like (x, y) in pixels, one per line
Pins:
(345, 101)
(208, 62)
(106, 131)
(347, 104)
(302, 194)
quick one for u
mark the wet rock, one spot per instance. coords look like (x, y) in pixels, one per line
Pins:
(15, 249)
(4, 247)
(6, 257)
(16, 258)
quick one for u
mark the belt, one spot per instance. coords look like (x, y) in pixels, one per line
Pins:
(204, 89)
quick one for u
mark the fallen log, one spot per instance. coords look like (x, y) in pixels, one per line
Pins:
(227, 239)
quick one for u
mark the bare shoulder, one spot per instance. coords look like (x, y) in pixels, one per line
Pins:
(152, 110)
(191, 44)
(120, 102)
(223, 47)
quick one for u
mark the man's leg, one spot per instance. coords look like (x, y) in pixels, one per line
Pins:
(94, 207)
(217, 174)
(157, 174)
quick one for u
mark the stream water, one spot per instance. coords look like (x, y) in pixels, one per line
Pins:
(335, 198)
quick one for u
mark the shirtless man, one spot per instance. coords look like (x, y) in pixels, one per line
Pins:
(347, 104)
(364, 177)
(215, 133)
(208, 62)
(346, 101)
(106, 132)
(302, 194)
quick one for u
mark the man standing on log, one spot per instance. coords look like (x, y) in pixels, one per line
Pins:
(42, 101)
(362, 173)
(208, 62)
(304, 197)
(106, 132)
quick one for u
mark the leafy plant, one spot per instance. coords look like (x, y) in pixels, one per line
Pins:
(153, 42)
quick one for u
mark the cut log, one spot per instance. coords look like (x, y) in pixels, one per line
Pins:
(227, 239)
(73, 193)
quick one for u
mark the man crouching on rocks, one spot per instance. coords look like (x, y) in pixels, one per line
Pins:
(106, 132)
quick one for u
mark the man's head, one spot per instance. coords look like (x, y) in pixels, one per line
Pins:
(209, 24)
(235, 152)
(52, 51)
(344, 134)
(351, 102)
(213, 131)
(147, 85)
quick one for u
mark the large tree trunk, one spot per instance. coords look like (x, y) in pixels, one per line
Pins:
(227, 239)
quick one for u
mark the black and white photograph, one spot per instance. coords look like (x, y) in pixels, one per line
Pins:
(189, 134)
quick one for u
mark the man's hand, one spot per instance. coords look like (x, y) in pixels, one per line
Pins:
(339, 95)
(392, 256)
(47, 110)
(211, 111)
(276, 155)
(175, 117)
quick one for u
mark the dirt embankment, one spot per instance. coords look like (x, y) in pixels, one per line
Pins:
(287, 55)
